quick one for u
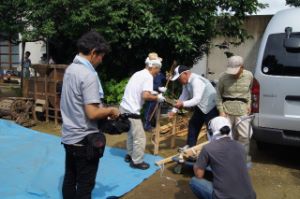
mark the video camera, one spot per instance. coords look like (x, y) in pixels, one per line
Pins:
(115, 126)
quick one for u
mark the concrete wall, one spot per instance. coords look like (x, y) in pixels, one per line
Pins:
(200, 67)
(216, 63)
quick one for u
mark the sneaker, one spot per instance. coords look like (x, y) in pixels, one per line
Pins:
(127, 158)
(142, 166)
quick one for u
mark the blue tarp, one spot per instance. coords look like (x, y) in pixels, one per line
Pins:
(32, 166)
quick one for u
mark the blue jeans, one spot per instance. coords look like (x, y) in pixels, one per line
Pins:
(202, 188)
(196, 122)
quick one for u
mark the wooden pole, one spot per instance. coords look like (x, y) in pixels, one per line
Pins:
(157, 131)
(55, 97)
(173, 131)
(22, 66)
(188, 152)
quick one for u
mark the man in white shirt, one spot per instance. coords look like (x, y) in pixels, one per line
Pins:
(138, 89)
(199, 93)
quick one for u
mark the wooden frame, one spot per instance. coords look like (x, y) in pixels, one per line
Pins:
(168, 131)
(42, 91)
(157, 132)
(177, 128)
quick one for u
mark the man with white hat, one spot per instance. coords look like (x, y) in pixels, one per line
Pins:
(214, 127)
(138, 90)
(227, 160)
(234, 99)
(199, 93)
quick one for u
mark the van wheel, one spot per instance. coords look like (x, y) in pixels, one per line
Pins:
(261, 145)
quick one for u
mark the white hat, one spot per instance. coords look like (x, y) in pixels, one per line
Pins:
(215, 125)
(234, 64)
(178, 71)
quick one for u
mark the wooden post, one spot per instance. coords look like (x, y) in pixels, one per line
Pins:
(25, 87)
(22, 67)
(173, 132)
(157, 130)
(55, 97)
(10, 55)
(33, 112)
(35, 85)
(46, 96)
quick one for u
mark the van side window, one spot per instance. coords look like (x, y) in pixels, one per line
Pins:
(278, 60)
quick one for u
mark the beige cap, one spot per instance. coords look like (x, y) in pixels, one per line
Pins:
(234, 64)
(153, 60)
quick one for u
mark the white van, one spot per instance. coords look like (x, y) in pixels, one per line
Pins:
(276, 89)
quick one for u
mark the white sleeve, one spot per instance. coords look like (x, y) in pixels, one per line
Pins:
(198, 89)
(148, 85)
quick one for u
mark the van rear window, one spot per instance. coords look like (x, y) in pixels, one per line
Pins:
(278, 60)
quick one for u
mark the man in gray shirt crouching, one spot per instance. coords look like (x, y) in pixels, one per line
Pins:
(227, 160)
(80, 109)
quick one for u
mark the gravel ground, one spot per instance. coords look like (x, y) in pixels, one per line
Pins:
(275, 173)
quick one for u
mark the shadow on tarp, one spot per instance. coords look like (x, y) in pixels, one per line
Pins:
(32, 166)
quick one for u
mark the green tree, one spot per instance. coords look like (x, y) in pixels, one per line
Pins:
(295, 3)
(12, 19)
(177, 29)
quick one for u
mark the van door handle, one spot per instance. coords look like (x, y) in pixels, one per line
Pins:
(293, 97)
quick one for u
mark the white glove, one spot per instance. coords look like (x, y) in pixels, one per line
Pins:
(160, 98)
(154, 92)
(162, 89)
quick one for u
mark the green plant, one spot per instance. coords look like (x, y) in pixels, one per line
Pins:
(114, 91)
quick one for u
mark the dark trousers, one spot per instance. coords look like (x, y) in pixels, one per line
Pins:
(80, 173)
(196, 122)
(150, 106)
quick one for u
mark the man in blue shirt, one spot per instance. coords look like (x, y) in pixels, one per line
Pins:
(80, 110)
(158, 81)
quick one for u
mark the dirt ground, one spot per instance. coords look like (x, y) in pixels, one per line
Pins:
(275, 172)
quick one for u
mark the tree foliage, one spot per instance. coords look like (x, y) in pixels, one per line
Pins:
(12, 19)
(295, 3)
(177, 29)
(114, 91)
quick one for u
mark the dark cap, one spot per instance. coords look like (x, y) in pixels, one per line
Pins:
(178, 71)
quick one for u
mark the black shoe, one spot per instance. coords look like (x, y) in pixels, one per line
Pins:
(127, 158)
(142, 166)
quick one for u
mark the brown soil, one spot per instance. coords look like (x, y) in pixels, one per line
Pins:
(275, 173)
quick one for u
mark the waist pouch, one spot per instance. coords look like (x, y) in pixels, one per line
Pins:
(95, 145)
